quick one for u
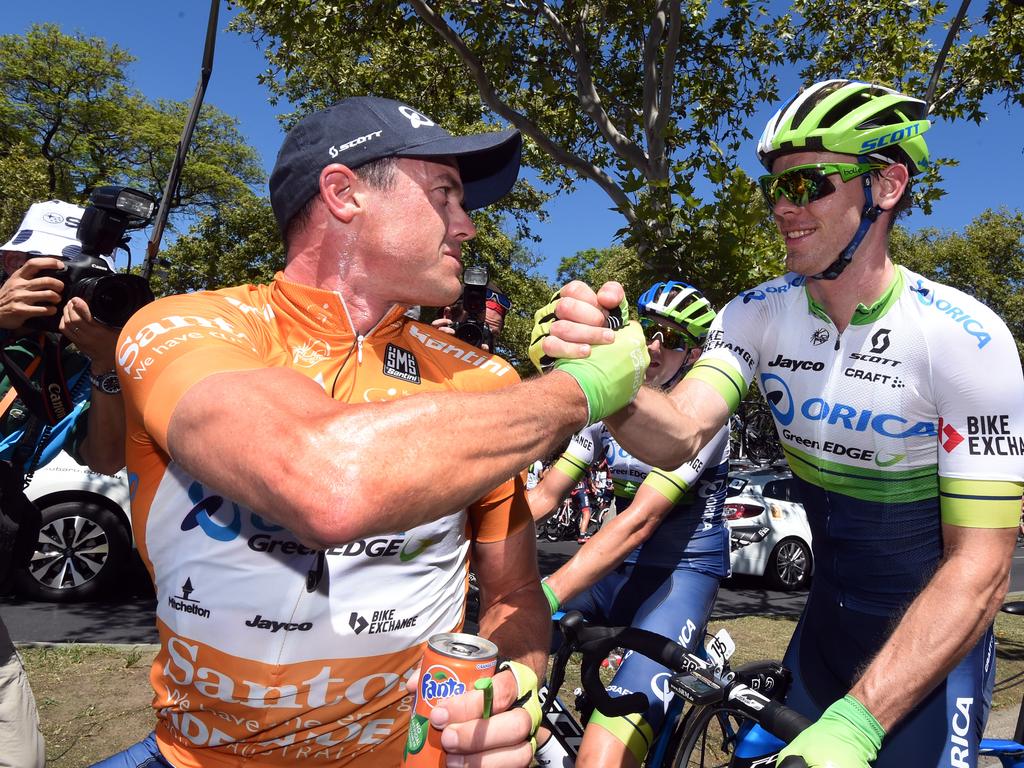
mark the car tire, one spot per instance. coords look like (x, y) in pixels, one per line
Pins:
(82, 549)
(789, 565)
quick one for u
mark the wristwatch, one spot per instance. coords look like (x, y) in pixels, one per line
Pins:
(107, 383)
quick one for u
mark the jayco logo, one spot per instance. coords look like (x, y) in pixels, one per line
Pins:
(416, 119)
(796, 365)
(258, 622)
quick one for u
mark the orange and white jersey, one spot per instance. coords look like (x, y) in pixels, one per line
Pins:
(254, 668)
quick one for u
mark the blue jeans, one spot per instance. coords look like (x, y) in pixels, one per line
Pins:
(145, 754)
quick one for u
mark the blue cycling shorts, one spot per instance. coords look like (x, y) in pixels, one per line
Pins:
(674, 602)
(145, 754)
(832, 645)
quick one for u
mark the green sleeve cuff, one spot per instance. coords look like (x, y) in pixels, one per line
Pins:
(551, 597)
(667, 484)
(723, 378)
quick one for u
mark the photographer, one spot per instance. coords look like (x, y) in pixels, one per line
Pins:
(47, 405)
(476, 321)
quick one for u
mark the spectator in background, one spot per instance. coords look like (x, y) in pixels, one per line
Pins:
(498, 305)
(87, 422)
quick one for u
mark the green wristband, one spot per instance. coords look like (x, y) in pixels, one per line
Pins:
(549, 593)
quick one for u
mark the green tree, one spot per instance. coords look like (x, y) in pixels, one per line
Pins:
(650, 100)
(985, 261)
(238, 243)
(66, 107)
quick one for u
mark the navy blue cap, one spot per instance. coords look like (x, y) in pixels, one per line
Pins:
(358, 130)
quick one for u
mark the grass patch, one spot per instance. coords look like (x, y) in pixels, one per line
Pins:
(95, 700)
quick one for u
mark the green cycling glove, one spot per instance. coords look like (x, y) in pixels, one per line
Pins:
(845, 736)
(611, 376)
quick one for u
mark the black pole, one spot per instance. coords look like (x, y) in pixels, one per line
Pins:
(954, 27)
(153, 247)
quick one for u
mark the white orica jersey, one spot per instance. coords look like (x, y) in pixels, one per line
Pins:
(697, 490)
(916, 407)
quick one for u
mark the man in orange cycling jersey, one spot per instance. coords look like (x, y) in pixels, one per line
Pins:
(310, 470)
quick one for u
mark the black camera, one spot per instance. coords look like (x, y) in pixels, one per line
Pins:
(473, 330)
(112, 297)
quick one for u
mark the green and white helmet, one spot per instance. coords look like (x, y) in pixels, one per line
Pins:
(851, 118)
(677, 305)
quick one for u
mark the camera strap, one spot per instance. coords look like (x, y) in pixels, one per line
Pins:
(49, 401)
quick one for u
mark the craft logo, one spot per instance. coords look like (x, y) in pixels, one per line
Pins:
(401, 364)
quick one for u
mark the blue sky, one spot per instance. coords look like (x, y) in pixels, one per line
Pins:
(167, 40)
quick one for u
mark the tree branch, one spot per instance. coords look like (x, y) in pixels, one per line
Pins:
(491, 98)
(589, 98)
(651, 102)
(656, 134)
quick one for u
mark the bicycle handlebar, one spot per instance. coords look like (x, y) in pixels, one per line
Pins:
(595, 642)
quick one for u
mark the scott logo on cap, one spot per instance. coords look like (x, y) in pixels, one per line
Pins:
(415, 118)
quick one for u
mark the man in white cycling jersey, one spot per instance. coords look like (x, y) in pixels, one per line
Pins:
(900, 406)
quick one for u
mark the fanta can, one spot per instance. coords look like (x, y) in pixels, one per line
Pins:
(452, 663)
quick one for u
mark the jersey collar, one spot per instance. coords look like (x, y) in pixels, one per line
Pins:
(325, 310)
(863, 315)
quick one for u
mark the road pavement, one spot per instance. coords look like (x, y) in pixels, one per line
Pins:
(128, 617)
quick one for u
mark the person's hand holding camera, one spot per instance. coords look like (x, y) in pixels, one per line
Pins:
(27, 294)
(445, 323)
(96, 341)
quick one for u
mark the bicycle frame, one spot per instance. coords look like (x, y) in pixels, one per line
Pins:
(595, 642)
(564, 727)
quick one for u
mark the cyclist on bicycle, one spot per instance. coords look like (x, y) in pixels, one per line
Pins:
(657, 563)
(581, 495)
(900, 406)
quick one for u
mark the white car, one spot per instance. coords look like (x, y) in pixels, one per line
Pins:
(86, 538)
(769, 534)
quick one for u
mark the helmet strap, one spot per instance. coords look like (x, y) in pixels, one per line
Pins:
(684, 368)
(868, 216)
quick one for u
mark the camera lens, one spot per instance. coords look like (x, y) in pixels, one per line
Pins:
(113, 299)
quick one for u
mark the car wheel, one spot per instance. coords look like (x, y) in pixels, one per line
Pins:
(81, 550)
(789, 565)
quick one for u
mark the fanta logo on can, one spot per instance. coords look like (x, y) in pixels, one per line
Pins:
(439, 682)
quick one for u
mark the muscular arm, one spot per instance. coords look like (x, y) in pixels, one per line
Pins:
(666, 430)
(332, 472)
(513, 611)
(942, 624)
(610, 545)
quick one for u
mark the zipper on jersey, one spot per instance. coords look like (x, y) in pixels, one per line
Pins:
(359, 347)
